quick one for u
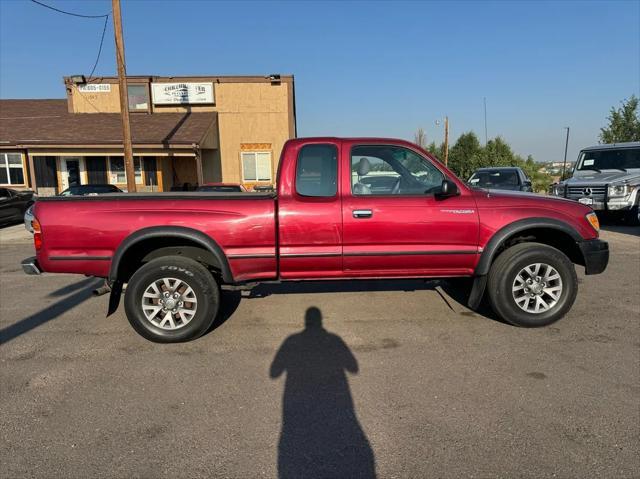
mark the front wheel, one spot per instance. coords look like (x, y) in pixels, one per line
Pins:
(171, 299)
(632, 217)
(532, 285)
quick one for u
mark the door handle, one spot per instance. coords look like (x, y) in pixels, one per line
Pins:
(362, 213)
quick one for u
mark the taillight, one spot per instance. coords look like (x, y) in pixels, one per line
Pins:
(37, 234)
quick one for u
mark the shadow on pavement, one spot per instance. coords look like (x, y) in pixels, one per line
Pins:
(346, 286)
(229, 302)
(70, 288)
(82, 291)
(454, 290)
(11, 223)
(321, 435)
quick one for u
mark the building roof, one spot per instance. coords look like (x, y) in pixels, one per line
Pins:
(48, 122)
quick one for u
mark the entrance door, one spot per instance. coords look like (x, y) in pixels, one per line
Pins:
(394, 225)
(71, 169)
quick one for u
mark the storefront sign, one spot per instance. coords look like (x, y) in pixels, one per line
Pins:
(181, 93)
(95, 88)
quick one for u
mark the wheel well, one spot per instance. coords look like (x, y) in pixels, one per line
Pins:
(550, 236)
(146, 250)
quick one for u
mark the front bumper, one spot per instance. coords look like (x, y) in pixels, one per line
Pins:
(596, 255)
(30, 265)
(610, 206)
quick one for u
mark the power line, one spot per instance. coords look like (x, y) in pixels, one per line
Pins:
(68, 13)
(104, 28)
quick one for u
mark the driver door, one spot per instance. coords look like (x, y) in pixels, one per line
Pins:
(394, 225)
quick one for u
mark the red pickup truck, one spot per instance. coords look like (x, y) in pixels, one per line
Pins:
(348, 208)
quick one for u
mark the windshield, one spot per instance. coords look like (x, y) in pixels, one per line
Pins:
(621, 159)
(492, 178)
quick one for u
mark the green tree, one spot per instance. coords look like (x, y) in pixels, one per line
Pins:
(624, 123)
(539, 181)
(465, 156)
(437, 151)
(499, 153)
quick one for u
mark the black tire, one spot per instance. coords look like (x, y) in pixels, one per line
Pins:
(191, 272)
(504, 271)
(631, 217)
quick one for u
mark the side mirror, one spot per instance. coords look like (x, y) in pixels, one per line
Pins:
(447, 189)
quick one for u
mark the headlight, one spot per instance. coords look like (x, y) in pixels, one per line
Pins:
(592, 218)
(619, 190)
(558, 190)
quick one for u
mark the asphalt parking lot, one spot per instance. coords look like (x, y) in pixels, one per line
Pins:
(388, 379)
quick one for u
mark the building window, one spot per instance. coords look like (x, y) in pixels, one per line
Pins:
(117, 173)
(138, 97)
(11, 170)
(256, 166)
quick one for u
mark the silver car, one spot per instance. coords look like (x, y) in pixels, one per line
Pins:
(28, 218)
(607, 178)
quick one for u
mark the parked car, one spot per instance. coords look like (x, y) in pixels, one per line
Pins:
(174, 251)
(607, 178)
(13, 204)
(501, 178)
(79, 190)
(222, 188)
(84, 190)
(28, 219)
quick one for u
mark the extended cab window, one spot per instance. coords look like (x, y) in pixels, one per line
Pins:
(317, 170)
(392, 170)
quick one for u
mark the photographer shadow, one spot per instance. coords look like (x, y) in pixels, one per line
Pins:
(321, 435)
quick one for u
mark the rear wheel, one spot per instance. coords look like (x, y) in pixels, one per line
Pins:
(532, 285)
(171, 299)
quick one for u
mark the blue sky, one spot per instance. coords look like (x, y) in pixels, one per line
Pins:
(363, 68)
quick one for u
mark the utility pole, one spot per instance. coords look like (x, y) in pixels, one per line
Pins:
(124, 98)
(485, 122)
(566, 146)
(446, 141)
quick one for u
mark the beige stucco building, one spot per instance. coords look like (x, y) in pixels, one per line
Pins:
(186, 131)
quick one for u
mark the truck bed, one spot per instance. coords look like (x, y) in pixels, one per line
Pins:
(81, 233)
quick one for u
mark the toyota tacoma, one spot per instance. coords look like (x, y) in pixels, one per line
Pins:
(349, 209)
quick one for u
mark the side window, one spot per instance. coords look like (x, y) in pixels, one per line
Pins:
(317, 171)
(392, 170)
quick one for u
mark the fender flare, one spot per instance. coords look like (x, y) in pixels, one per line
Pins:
(498, 238)
(171, 232)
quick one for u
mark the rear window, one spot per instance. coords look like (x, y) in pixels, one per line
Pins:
(317, 171)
